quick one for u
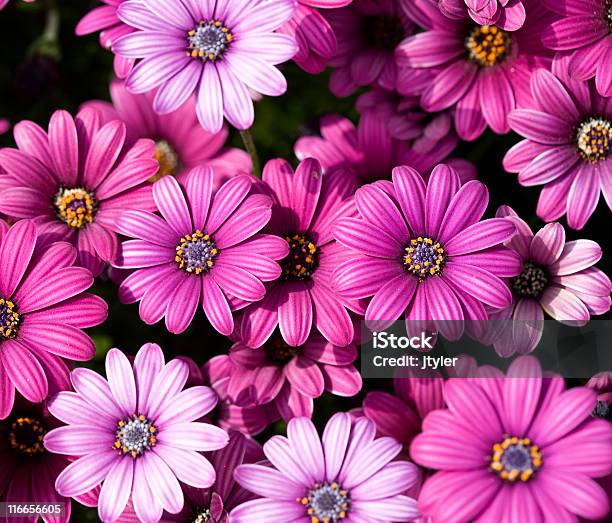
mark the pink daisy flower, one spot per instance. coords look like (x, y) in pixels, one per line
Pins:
(180, 141)
(219, 50)
(73, 180)
(43, 308)
(602, 384)
(481, 71)
(558, 279)
(584, 33)
(506, 449)
(250, 420)
(370, 151)
(347, 474)
(313, 35)
(568, 147)
(291, 377)
(104, 19)
(427, 255)
(400, 414)
(368, 33)
(508, 15)
(204, 247)
(306, 204)
(135, 433)
(29, 470)
(213, 504)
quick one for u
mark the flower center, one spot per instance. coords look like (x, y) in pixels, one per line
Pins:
(209, 40)
(515, 458)
(594, 139)
(531, 282)
(302, 260)
(75, 206)
(196, 252)
(9, 319)
(326, 503)
(26, 436)
(487, 45)
(608, 11)
(602, 410)
(423, 257)
(384, 32)
(202, 516)
(135, 435)
(277, 350)
(167, 158)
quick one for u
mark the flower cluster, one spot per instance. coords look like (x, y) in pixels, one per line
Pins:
(393, 212)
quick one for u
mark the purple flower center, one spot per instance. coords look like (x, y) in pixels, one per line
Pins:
(383, 32)
(26, 436)
(167, 158)
(531, 282)
(515, 459)
(302, 260)
(75, 206)
(594, 139)
(278, 351)
(487, 45)
(9, 319)
(424, 257)
(196, 252)
(208, 41)
(135, 435)
(326, 503)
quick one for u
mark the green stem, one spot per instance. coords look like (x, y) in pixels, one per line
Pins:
(249, 145)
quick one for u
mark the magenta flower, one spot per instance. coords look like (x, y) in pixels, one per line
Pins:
(345, 475)
(28, 469)
(135, 433)
(313, 35)
(74, 181)
(508, 15)
(584, 33)
(204, 247)
(216, 49)
(371, 150)
(568, 148)
(427, 255)
(368, 33)
(306, 204)
(105, 19)
(5, 125)
(481, 71)
(180, 141)
(215, 373)
(401, 414)
(507, 448)
(43, 308)
(291, 377)
(558, 278)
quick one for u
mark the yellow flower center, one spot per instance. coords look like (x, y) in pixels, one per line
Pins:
(487, 45)
(75, 206)
(209, 40)
(594, 139)
(424, 257)
(9, 319)
(167, 158)
(26, 436)
(196, 252)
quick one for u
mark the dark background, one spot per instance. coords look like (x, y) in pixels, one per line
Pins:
(37, 77)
